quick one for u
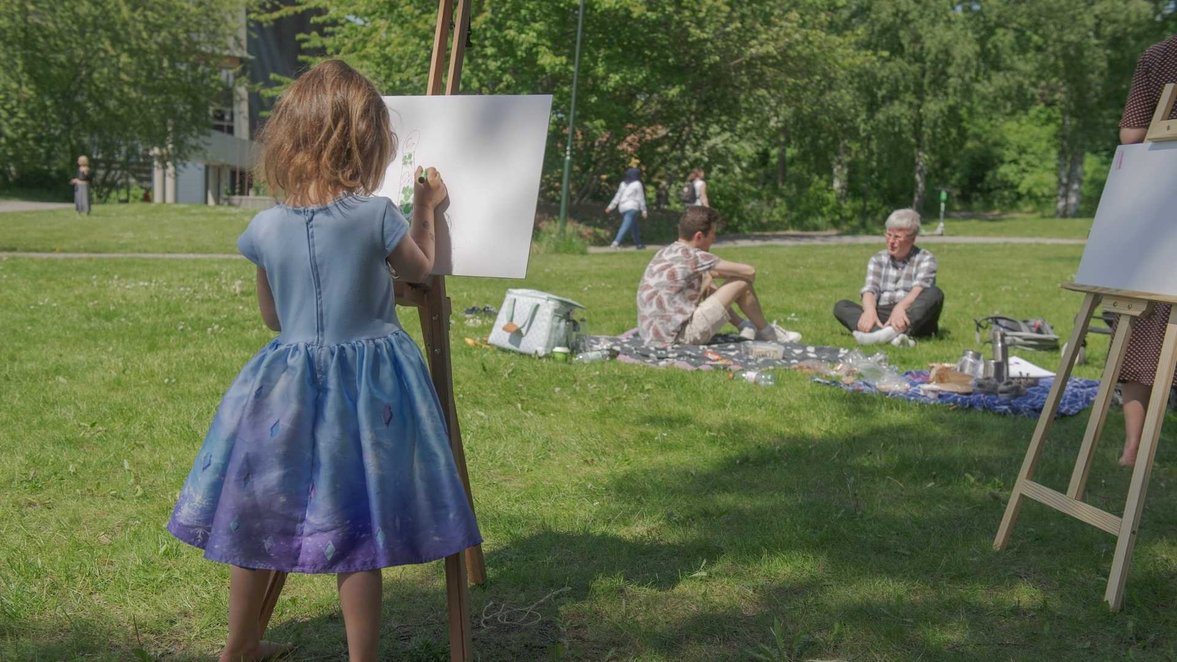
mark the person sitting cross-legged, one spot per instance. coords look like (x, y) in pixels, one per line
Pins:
(679, 300)
(900, 300)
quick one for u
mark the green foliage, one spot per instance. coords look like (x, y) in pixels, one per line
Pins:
(110, 79)
(805, 113)
(1026, 175)
(574, 240)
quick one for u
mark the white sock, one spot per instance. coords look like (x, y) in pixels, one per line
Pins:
(885, 334)
(747, 330)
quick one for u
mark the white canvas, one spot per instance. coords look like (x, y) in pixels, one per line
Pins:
(1133, 240)
(490, 151)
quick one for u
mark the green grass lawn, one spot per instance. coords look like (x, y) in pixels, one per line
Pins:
(629, 512)
(1014, 226)
(146, 228)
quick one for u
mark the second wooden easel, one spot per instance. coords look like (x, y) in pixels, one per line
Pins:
(1129, 306)
(433, 308)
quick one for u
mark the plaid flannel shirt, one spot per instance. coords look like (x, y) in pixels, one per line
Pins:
(890, 280)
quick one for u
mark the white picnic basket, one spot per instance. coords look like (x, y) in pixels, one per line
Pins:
(533, 322)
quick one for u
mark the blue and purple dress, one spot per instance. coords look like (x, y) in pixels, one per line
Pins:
(329, 452)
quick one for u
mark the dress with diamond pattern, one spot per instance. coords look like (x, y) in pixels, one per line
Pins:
(329, 452)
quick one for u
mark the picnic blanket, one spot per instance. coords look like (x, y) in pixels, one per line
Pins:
(724, 352)
(1078, 395)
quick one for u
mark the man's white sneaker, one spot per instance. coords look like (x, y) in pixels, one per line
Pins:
(775, 333)
(885, 334)
(903, 340)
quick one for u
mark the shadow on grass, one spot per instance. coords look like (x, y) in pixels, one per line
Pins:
(871, 543)
(902, 520)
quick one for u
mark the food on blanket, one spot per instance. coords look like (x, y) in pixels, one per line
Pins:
(759, 349)
(946, 373)
(813, 367)
(715, 358)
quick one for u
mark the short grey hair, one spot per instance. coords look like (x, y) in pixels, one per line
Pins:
(904, 219)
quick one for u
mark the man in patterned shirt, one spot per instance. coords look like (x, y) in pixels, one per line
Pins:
(678, 301)
(900, 299)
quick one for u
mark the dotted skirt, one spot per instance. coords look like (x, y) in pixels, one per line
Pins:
(1144, 347)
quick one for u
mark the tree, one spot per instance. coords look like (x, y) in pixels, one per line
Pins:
(1074, 58)
(806, 113)
(672, 84)
(108, 78)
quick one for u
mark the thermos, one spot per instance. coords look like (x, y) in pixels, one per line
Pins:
(1000, 369)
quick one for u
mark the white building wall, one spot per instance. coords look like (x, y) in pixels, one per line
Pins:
(190, 185)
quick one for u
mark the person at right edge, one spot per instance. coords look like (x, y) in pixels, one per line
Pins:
(1156, 67)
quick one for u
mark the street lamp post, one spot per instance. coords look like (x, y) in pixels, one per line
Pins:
(571, 121)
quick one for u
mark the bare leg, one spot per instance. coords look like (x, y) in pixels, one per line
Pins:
(360, 594)
(740, 293)
(246, 589)
(1135, 397)
(749, 303)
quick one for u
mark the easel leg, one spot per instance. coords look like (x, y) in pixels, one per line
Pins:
(1046, 420)
(457, 598)
(1137, 489)
(434, 316)
(1099, 409)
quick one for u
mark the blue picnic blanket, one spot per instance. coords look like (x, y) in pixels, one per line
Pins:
(1078, 395)
(725, 352)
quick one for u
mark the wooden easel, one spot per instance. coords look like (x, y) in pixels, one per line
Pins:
(433, 309)
(1129, 306)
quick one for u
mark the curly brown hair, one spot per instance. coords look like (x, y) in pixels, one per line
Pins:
(329, 134)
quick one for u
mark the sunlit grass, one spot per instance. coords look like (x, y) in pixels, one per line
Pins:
(629, 513)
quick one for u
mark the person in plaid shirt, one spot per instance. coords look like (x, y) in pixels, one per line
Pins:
(900, 300)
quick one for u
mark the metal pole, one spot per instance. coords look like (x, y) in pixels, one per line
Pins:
(571, 122)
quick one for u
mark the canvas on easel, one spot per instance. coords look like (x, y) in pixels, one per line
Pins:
(490, 150)
(1126, 266)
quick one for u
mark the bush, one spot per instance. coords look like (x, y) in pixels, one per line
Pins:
(574, 241)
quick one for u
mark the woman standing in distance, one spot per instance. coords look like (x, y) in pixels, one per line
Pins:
(696, 180)
(81, 182)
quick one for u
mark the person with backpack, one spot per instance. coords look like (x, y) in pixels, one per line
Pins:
(694, 191)
(629, 200)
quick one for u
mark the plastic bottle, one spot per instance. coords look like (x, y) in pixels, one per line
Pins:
(594, 356)
(758, 377)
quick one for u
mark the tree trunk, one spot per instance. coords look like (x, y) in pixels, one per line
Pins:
(1063, 167)
(1075, 183)
(841, 182)
(921, 178)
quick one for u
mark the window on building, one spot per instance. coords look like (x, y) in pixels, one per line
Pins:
(222, 109)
